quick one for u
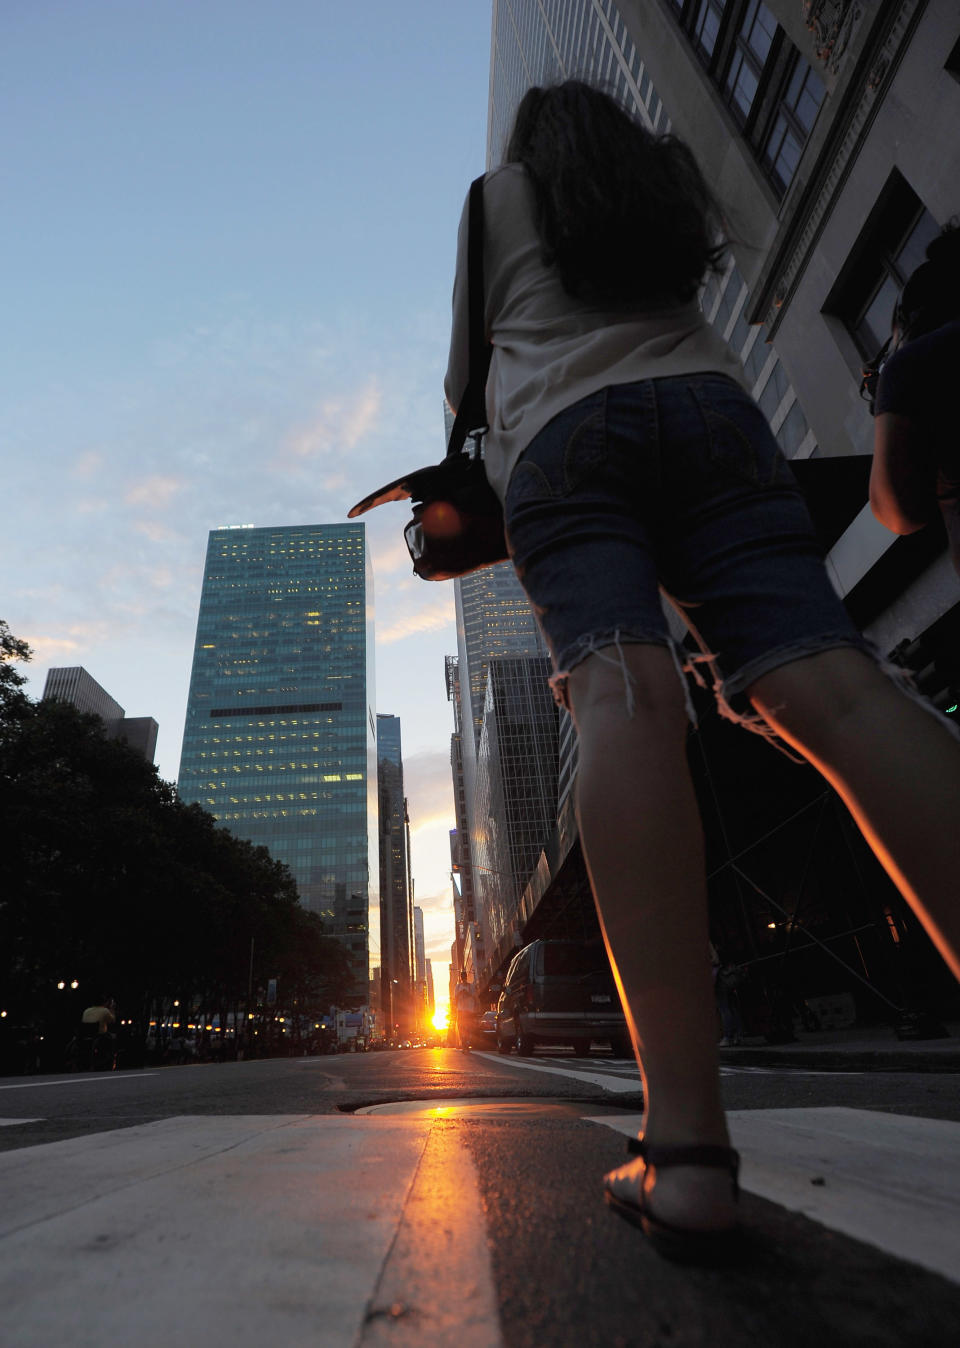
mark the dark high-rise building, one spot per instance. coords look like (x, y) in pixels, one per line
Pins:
(280, 736)
(74, 685)
(396, 917)
(516, 798)
(461, 857)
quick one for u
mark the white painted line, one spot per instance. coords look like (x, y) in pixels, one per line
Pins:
(786, 1072)
(889, 1180)
(444, 1228)
(225, 1230)
(609, 1082)
(12, 1123)
(79, 1081)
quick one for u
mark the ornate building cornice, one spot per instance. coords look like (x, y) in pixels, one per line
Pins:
(814, 200)
(832, 23)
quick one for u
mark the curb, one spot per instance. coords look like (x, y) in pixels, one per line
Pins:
(845, 1060)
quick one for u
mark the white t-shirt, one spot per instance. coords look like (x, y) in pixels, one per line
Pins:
(550, 350)
(464, 998)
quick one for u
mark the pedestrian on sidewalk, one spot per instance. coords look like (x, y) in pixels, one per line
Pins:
(629, 457)
(464, 1011)
(916, 454)
(727, 981)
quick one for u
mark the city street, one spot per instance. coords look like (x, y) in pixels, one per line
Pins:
(426, 1196)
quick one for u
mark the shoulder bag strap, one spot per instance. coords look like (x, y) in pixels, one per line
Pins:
(471, 417)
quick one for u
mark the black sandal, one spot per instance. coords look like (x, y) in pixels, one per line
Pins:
(677, 1242)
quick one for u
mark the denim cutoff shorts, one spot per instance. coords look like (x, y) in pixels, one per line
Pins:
(671, 489)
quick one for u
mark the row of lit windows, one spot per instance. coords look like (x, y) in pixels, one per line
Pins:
(312, 769)
(271, 795)
(331, 731)
(306, 812)
(272, 737)
(333, 749)
(254, 770)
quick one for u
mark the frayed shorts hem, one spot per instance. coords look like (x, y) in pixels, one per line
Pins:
(748, 675)
(692, 663)
(596, 643)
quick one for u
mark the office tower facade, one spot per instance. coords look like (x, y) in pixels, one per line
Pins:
(494, 620)
(516, 797)
(419, 949)
(74, 685)
(461, 858)
(421, 1015)
(280, 736)
(396, 917)
(830, 133)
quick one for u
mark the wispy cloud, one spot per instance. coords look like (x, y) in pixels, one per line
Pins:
(390, 554)
(430, 616)
(88, 465)
(428, 783)
(155, 531)
(161, 577)
(47, 648)
(156, 490)
(339, 424)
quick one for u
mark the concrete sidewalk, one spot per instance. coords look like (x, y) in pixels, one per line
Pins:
(250, 1231)
(874, 1048)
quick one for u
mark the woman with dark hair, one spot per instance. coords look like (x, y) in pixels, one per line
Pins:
(631, 461)
(916, 457)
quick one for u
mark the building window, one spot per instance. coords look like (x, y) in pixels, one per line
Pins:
(792, 431)
(890, 246)
(952, 63)
(706, 28)
(792, 124)
(753, 46)
(774, 95)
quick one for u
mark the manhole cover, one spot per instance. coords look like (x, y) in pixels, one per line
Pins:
(498, 1108)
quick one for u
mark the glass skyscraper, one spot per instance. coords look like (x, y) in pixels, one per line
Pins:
(396, 920)
(280, 742)
(516, 798)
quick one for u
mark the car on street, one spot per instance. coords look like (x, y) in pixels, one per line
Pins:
(487, 1030)
(560, 993)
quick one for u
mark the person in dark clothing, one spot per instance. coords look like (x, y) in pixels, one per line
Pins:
(916, 463)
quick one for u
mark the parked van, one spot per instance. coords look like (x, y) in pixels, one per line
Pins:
(560, 992)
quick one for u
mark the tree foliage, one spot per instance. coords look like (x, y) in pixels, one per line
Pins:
(109, 879)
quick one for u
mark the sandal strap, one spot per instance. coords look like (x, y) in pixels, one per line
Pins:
(717, 1158)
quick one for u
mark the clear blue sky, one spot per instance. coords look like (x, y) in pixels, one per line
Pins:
(228, 237)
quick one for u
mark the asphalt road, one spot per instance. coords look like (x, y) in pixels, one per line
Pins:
(541, 1133)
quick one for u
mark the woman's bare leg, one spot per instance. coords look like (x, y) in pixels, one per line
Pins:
(895, 767)
(643, 842)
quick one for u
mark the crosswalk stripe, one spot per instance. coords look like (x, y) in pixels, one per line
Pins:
(608, 1081)
(443, 1227)
(890, 1180)
(247, 1230)
(93, 1079)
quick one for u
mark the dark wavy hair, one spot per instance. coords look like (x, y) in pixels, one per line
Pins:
(624, 216)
